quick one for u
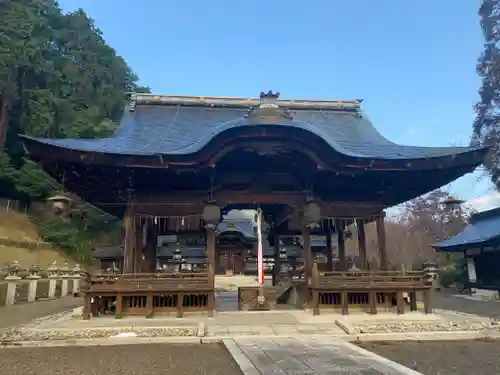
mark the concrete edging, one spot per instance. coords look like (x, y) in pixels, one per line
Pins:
(391, 364)
(246, 366)
(108, 341)
(425, 336)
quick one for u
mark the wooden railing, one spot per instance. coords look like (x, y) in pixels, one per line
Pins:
(368, 290)
(148, 294)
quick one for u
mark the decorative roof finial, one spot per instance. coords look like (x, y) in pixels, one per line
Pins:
(269, 99)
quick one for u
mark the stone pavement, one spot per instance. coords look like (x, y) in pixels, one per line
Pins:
(309, 355)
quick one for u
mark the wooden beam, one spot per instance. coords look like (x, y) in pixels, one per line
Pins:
(295, 199)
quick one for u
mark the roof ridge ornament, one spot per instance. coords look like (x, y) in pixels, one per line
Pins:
(269, 99)
(269, 106)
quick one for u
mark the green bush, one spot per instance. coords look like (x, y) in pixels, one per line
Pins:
(448, 276)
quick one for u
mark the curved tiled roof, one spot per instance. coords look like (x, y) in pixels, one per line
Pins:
(483, 229)
(181, 128)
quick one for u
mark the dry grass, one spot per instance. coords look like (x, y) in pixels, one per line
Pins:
(18, 227)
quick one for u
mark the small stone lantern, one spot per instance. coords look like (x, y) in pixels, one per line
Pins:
(431, 272)
(14, 270)
(34, 272)
(53, 270)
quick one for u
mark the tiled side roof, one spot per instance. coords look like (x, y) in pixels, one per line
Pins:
(245, 227)
(183, 130)
(483, 229)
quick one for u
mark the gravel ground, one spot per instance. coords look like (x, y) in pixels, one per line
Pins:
(443, 357)
(26, 312)
(145, 359)
(444, 300)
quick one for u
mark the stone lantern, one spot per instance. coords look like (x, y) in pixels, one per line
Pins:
(14, 270)
(34, 271)
(431, 272)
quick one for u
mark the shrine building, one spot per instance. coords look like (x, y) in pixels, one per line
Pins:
(177, 164)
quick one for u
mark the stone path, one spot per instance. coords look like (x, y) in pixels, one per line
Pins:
(312, 355)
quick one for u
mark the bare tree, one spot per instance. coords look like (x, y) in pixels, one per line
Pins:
(410, 235)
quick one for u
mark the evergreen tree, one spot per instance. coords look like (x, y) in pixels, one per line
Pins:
(486, 127)
(58, 78)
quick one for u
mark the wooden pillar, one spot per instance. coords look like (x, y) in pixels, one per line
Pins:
(277, 260)
(360, 225)
(149, 231)
(382, 247)
(139, 258)
(306, 236)
(128, 244)
(339, 227)
(210, 236)
(329, 255)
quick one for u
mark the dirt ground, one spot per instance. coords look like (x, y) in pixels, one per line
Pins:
(464, 357)
(26, 312)
(145, 359)
(446, 300)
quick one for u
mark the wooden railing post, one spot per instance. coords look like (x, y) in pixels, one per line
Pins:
(119, 306)
(372, 296)
(149, 305)
(315, 287)
(211, 295)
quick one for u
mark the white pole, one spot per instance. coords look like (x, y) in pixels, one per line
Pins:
(260, 255)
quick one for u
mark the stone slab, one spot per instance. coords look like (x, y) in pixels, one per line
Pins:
(308, 355)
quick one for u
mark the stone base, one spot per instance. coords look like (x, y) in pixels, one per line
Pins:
(257, 323)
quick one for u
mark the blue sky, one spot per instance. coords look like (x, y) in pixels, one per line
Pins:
(413, 62)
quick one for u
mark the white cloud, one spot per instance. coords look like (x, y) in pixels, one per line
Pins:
(485, 202)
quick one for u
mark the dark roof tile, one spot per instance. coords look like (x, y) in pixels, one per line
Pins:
(183, 130)
(483, 228)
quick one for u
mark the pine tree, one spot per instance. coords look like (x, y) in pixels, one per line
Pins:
(486, 127)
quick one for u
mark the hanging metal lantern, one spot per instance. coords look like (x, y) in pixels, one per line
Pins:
(283, 253)
(312, 213)
(178, 254)
(211, 215)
